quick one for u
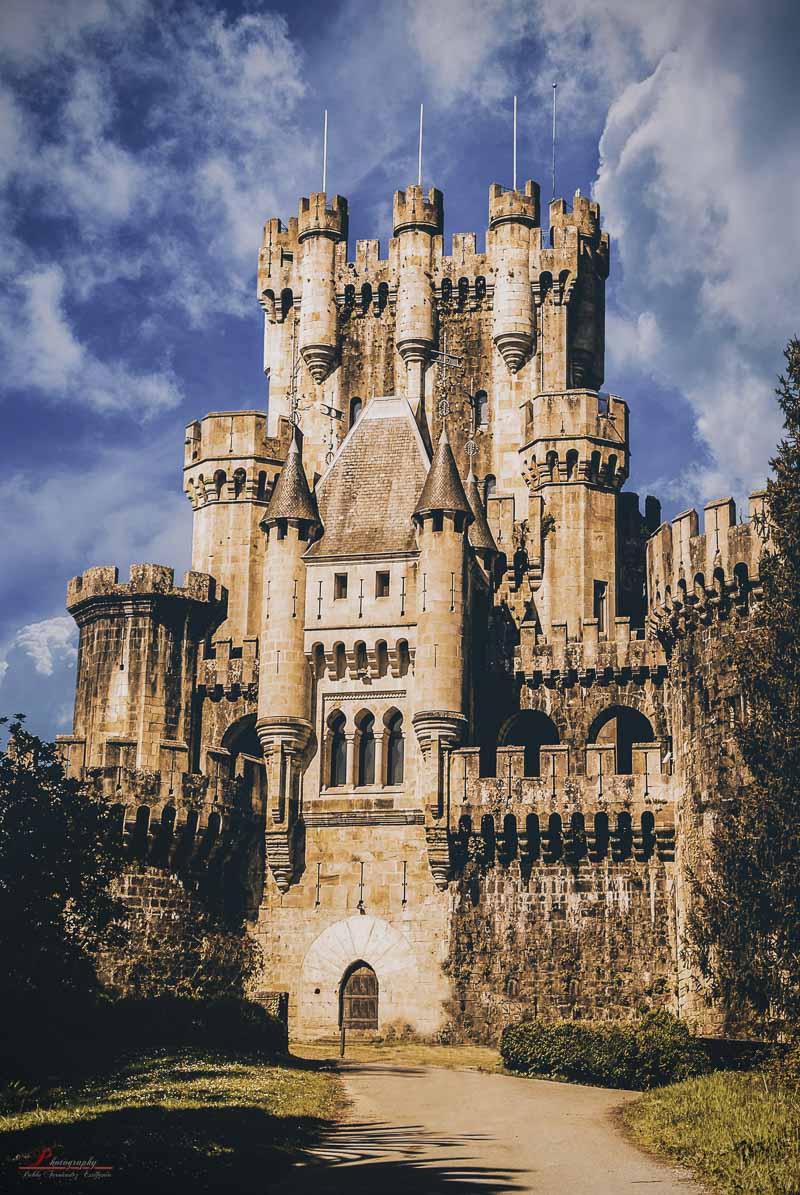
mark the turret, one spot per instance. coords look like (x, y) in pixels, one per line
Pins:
(418, 219)
(137, 660)
(480, 535)
(230, 466)
(576, 460)
(319, 230)
(512, 215)
(443, 516)
(570, 293)
(284, 699)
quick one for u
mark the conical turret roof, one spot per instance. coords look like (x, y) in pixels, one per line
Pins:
(443, 489)
(292, 498)
(480, 533)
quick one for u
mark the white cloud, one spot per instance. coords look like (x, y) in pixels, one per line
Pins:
(699, 170)
(47, 641)
(43, 353)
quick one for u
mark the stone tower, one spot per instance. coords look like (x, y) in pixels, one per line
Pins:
(432, 654)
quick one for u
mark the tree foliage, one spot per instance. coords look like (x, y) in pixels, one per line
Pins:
(745, 926)
(58, 860)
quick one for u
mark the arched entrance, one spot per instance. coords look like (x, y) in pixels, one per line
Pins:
(358, 1001)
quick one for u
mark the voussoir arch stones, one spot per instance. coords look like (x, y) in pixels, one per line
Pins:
(370, 939)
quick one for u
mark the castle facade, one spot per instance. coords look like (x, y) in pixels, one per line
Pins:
(438, 703)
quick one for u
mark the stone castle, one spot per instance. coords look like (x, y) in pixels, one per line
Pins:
(437, 704)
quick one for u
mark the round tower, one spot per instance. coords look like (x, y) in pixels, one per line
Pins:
(319, 230)
(512, 215)
(443, 516)
(284, 690)
(230, 466)
(137, 660)
(418, 219)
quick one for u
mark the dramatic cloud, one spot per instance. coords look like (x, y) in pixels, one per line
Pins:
(699, 170)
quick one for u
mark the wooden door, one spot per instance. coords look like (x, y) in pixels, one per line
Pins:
(360, 999)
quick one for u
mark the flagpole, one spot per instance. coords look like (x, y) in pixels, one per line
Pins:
(325, 154)
(515, 143)
(419, 158)
(555, 86)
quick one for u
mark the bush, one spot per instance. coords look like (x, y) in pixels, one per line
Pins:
(40, 1043)
(656, 1049)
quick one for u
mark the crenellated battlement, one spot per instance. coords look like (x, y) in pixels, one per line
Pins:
(102, 584)
(563, 813)
(517, 206)
(585, 216)
(556, 659)
(416, 209)
(229, 457)
(576, 436)
(316, 218)
(693, 576)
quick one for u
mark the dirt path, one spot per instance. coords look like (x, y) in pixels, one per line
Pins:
(416, 1129)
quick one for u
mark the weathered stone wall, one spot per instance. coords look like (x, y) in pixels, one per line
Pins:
(590, 941)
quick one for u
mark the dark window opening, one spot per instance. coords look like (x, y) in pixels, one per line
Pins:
(338, 752)
(382, 584)
(366, 751)
(599, 605)
(340, 586)
(396, 750)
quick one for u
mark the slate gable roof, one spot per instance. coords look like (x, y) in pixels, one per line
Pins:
(367, 496)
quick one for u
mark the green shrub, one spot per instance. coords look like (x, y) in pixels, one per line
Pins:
(654, 1050)
(71, 1037)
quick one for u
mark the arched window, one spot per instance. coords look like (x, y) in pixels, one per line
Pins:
(611, 469)
(572, 464)
(480, 287)
(383, 295)
(337, 753)
(594, 466)
(219, 481)
(261, 487)
(463, 291)
(532, 730)
(239, 480)
(356, 407)
(395, 749)
(349, 296)
(623, 727)
(403, 657)
(287, 302)
(366, 750)
(551, 464)
(481, 409)
(366, 297)
(489, 487)
(447, 290)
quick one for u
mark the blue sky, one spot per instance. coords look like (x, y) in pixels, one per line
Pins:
(144, 143)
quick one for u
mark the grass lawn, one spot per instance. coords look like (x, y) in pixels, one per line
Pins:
(168, 1121)
(404, 1054)
(739, 1132)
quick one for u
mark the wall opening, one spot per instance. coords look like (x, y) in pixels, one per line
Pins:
(358, 997)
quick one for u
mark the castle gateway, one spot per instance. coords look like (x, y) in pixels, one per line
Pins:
(437, 702)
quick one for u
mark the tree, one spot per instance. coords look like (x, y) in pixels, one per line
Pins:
(745, 926)
(59, 857)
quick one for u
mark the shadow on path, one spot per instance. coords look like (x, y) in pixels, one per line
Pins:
(370, 1158)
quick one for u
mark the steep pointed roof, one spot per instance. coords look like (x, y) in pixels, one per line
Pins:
(292, 498)
(368, 493)
(480, 533)
(443, 489)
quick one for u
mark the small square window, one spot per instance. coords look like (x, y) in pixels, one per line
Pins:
(340, 585)
(381, 584)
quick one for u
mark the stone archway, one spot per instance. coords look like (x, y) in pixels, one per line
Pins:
(384, 949)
